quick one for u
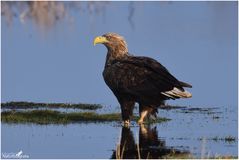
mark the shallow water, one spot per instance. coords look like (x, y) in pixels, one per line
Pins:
(190, 131)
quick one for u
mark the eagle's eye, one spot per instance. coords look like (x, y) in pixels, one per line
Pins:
(108, 38)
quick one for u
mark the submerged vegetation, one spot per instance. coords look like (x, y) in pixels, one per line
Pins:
(32, 105)
(228, 139)
(55, 117)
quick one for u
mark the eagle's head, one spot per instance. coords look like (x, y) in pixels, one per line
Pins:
(113, 42)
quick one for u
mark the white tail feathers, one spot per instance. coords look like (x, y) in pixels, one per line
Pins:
(177, 93)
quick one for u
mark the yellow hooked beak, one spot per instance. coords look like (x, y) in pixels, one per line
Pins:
(100, 39)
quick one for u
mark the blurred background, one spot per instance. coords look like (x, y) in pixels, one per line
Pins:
(47, 52)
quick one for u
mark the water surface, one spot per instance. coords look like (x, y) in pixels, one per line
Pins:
(200, 133)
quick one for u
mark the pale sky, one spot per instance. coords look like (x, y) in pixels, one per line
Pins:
(196, 41)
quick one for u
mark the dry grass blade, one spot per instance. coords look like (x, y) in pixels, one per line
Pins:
(148, 155)
(118, 151)
(138, 149)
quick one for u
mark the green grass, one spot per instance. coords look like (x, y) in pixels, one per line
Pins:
(28, 105)
(55, 117)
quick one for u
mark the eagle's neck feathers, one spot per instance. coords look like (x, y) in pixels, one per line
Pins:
(118, 52)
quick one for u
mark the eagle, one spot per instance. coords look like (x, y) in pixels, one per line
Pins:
(137, 79)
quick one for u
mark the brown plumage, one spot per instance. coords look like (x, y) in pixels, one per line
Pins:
(135, 79)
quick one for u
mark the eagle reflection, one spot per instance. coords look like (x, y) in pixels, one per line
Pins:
(149, 146)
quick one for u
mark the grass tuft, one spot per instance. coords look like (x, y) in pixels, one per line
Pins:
(32, 105)
(55, 117)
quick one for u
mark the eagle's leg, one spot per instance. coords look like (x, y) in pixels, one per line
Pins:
(143, 130)
(144, 111)
(143, 114)
(127, 112)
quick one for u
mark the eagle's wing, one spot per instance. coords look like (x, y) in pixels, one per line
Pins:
(145, 76)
